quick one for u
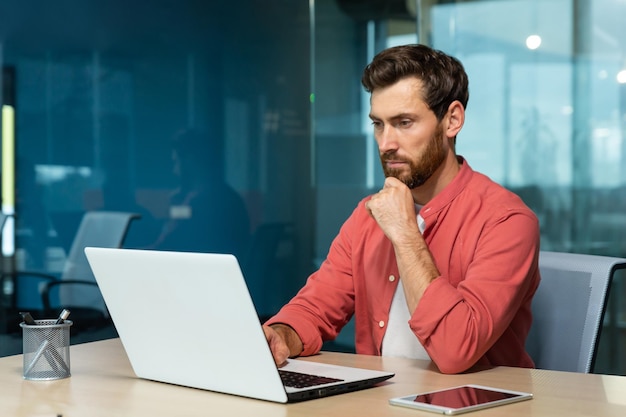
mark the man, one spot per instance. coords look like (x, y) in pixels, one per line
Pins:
(442, 263)
(206, 214)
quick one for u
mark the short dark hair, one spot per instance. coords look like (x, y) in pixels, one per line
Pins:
(197, 153)
(443, 76)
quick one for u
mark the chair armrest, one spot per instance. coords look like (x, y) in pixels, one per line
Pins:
(45, 291)
(47, 276)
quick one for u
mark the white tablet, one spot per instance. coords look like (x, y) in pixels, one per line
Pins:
(461, 399)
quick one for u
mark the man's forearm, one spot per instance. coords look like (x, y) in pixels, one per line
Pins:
(417, 270)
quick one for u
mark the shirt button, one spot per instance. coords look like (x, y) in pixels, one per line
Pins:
(392, 278)
(381, 323)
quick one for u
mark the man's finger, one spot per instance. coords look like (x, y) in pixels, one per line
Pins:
(280, 350)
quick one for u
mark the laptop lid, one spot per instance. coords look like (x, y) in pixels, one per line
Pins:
(188, 319)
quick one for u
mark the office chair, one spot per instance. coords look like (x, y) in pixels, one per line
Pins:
(76, 289)
(568, 310)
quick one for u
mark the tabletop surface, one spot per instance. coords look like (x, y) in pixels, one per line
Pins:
(103, 384)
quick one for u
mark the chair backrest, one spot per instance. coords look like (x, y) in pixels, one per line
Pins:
(568, 309)
(105, 229)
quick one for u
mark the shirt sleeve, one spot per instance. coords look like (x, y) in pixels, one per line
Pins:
(458, 325)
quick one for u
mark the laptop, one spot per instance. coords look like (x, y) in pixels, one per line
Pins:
(188, 319)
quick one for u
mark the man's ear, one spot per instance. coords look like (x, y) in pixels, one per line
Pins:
(456, 118)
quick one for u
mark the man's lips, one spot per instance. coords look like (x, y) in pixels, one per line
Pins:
(394, 163)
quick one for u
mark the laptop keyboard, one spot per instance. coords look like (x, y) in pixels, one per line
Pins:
(300, 380)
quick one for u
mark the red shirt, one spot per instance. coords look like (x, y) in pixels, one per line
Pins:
(485, 243)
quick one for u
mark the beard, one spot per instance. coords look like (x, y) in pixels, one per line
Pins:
(422, 168)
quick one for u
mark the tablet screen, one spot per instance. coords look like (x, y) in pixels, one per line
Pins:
(461, 399)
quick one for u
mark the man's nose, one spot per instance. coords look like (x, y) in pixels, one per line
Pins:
(387, 140)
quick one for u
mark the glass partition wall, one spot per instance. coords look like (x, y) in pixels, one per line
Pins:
(103, 92)
(545, 117)
(98, 91)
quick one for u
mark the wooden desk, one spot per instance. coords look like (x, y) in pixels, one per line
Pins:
(103, 384)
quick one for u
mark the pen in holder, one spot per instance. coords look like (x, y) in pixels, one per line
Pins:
(46, 346)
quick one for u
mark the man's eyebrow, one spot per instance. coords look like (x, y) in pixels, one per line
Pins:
(403, 116)
(395, 117)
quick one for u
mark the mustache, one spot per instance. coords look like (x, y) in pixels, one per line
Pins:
(392, 156)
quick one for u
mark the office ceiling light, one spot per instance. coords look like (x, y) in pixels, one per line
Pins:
(533, 42)
(621, 76)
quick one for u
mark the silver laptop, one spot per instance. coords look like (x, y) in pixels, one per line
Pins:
(188, 319)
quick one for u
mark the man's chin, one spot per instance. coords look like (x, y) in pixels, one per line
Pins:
(408, 181)
(405, 179)
(396, 173)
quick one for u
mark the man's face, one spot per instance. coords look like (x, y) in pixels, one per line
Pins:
(410, 140)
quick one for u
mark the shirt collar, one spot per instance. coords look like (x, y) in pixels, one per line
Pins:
(449, 193)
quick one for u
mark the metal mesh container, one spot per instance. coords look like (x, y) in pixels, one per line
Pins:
(46, 347)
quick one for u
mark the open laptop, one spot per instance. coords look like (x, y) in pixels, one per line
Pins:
(188, 319)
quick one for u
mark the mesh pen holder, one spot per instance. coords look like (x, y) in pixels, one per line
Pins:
(46, 347)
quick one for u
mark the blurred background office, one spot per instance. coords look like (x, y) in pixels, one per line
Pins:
(93, 91)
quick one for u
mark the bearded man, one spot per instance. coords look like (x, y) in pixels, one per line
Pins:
(442, 262)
